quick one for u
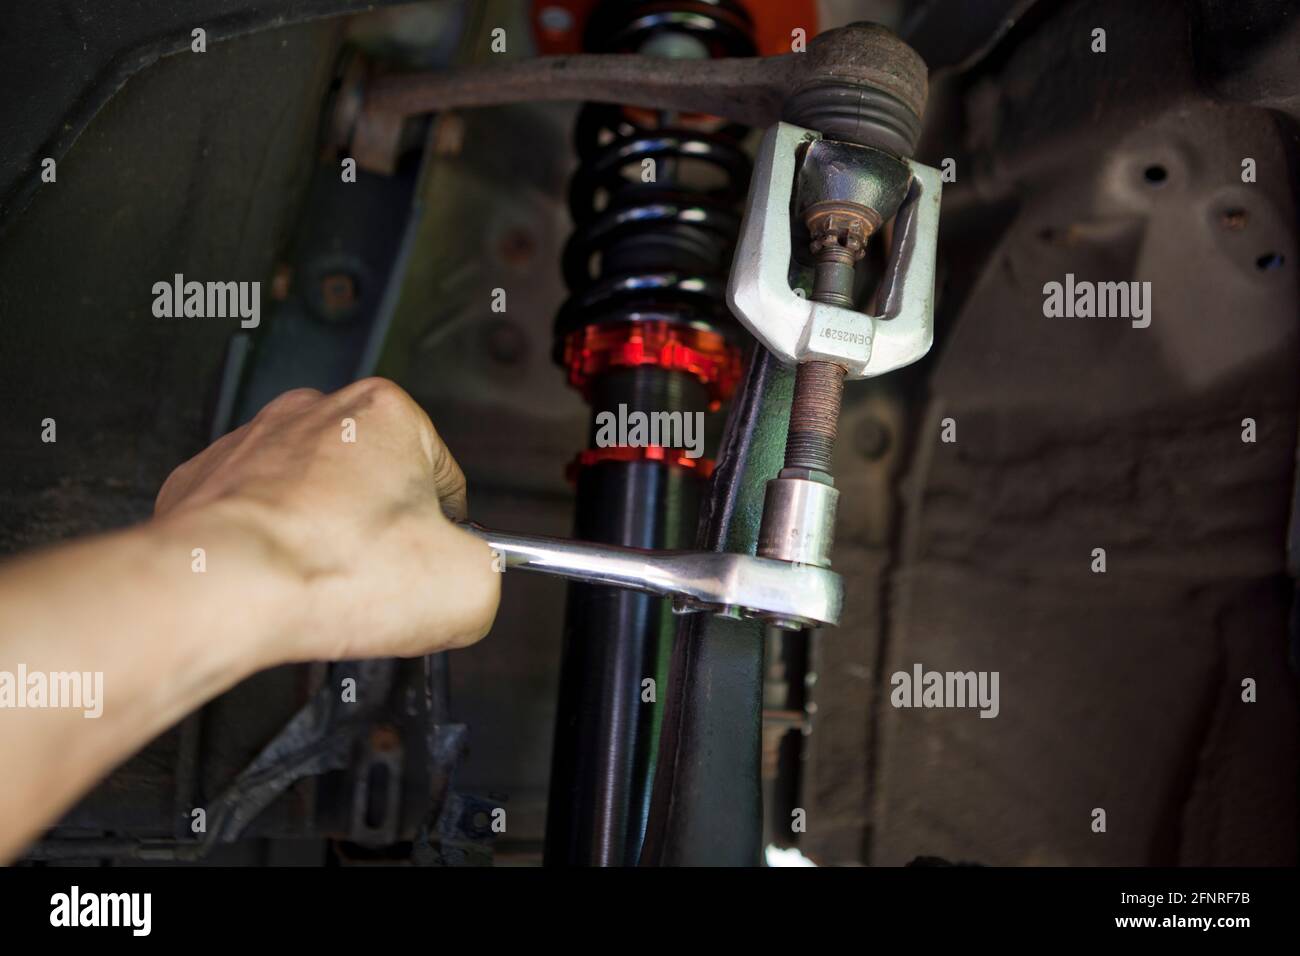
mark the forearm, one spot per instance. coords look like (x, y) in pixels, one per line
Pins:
(138, 616)
(314, 532)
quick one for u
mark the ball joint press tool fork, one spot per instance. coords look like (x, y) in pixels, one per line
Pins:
(832, 170)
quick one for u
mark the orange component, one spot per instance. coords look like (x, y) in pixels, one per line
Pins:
(558, 27)
(558, 24)
(675, 457)
(708, 356)
(775, 23)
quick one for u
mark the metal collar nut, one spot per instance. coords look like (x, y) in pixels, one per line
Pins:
(841, 224)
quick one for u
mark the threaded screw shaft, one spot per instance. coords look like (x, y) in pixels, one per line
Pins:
(814, 416)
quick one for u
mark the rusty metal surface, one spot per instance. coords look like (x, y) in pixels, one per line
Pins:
(1119, 690)
(749, 90)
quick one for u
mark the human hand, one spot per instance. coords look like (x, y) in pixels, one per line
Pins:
(344, 496)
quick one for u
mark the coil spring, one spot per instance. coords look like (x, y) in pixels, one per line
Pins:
(656, 250)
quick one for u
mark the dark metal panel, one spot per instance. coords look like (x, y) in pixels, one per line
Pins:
(706, 808)
(61, 62)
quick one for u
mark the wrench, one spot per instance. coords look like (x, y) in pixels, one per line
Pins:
(783, 593)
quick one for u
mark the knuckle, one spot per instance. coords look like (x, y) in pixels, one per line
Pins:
(171, 483)
(382, 392)
(289, 399)
(390, 402)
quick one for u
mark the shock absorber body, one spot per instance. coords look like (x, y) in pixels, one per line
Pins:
(646, 329)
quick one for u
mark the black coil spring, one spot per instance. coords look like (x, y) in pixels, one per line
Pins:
(657, 250)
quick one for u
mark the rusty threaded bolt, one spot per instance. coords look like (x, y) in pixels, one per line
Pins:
(814, 416)
(839, 240)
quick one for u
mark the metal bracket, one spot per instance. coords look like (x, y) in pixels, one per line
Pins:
(798, 330)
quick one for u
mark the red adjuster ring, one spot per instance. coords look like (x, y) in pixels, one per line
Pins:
(674, 457)
(594, 349)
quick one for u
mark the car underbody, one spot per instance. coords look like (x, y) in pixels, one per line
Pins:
(1081, 495)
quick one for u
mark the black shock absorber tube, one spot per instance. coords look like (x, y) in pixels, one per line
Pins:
(606, 733)
(645, 330)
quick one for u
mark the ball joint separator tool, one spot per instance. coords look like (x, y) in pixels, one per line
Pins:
(804, 312)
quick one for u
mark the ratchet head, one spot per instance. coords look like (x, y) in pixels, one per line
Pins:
(783, 593)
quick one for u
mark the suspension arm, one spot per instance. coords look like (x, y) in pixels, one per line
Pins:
(749, 90)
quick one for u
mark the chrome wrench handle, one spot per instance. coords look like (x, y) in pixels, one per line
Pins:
(736, 585)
